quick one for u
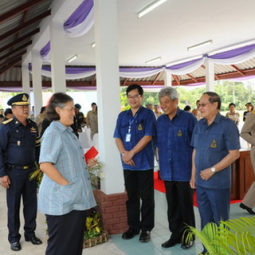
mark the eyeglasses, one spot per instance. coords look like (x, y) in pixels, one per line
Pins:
(203, 105)
(134, 96)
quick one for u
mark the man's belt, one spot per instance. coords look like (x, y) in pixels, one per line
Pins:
(9, 166)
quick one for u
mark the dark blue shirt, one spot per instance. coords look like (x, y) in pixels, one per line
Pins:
(142, 124)
(173, 142)
(212, 144)
(19, 144)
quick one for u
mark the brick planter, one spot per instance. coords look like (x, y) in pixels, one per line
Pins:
(112, 209)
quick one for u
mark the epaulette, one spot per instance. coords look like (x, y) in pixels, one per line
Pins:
(29, 120)
(253, 112)
(7, 121)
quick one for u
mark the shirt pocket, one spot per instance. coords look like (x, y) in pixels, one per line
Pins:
(72, 193)
(215, 143)
(17, 139)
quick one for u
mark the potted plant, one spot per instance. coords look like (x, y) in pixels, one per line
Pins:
(235, 236)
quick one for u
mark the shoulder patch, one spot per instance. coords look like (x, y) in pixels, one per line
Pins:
(7, 121)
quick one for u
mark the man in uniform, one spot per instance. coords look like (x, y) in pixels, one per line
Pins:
(216, 146)
(133, 135)
(79, 117)
(19, 150)
(248, 134)
(92, 120)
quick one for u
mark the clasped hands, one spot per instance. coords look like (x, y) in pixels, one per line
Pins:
(127, 157)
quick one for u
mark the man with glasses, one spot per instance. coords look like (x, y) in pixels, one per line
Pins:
(216, 146)
(19, 150)
(134, 133)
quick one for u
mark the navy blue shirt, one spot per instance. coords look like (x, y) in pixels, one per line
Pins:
(173, 142)
(212, 144)
(142, 124)
(19, 144)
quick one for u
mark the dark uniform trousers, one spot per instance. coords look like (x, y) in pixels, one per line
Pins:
(60, 228)
(140, 185)
(180, 211)
(21, 186)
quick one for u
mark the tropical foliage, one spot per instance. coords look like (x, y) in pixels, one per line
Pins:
(93, 225)
(232, 237)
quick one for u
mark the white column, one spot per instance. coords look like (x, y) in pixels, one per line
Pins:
(108, 90)
(37, 80)
(209, 77)
(57, 51)
(25, 78)
(168, 78)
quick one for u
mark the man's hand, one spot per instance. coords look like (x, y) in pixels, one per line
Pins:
(5, 181)
(127, 156)
(206, 174)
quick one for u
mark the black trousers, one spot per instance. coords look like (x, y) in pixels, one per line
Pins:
(21, 186)
(180, 212)
(66, 233)
(140, 186)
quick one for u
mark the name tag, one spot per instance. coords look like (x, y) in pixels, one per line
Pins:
(128, 137)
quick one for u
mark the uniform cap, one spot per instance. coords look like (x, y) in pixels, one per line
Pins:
(20, 99)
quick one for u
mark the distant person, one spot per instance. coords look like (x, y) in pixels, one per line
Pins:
(39, 119)
(32, 113)
(134, 132)
(174, 132)
(1, 118)
(187, 108)
(198, 111)
(2, 111)
(157, 111)
(8, 114)
(248, 134)
(92, 120)
(195, 113)
(249, 107)
(232, 114)
(149, 106)
(79, 117)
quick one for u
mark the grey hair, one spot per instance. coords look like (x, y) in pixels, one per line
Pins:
(169, 91)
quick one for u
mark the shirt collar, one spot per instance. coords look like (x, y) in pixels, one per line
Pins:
(62, 127)
(17, 122)
(177, 113)
(216, 119)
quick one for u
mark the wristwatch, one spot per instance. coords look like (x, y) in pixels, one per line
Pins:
(213, 169)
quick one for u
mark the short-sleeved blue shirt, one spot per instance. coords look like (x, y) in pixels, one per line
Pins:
(19, 144)
(142, 124)
(61, 147)
(173, 142)
(212, 144)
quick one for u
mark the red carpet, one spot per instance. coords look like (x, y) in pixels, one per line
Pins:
(160, 186)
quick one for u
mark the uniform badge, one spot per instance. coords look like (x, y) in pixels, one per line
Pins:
(24, 98)
(140, 127)
(214, 144)
(33, 130)
(179, 133)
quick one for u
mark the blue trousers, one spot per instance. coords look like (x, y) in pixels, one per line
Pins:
(213, 205)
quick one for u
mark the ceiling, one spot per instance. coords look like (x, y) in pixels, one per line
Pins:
(165, 32)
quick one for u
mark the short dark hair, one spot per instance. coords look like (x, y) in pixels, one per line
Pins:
(77, 106)
(1, 116)
(232, 104)
(187, 108)
(213, 97)
(7, 111)
(42, 109)
(135, 86)
(57, 100)
(93, 104)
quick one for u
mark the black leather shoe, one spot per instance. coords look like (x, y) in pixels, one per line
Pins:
(34, 240)
(145, 236)
(130, 233)
(16, 246)
(248, 209)
(169, 243)
(187, 245)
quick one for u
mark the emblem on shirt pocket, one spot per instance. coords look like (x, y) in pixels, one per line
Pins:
(214, 144)
(179, 133)
(140, 127)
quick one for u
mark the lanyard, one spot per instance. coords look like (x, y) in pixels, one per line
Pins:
(131, 121)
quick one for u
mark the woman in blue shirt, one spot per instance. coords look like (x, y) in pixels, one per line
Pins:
(65, 192)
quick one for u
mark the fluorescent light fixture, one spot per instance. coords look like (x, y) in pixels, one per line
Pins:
(183, 60)
(150, 7)
(236, 46)
(93, 45)
(72, 58)
(199, 45)
(152, 60)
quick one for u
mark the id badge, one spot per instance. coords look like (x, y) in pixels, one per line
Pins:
(128, 137)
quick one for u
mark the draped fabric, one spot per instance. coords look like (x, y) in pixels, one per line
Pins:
(45, 52)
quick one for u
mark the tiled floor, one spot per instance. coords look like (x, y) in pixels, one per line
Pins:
(161, 233)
